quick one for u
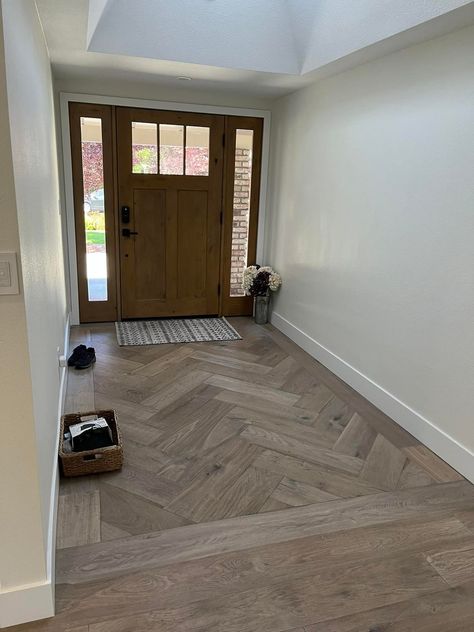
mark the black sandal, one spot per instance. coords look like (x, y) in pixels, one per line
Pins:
(76, 354)
(86, 359)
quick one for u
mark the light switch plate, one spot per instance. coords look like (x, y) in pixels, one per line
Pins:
(8, 273)
(5, 274)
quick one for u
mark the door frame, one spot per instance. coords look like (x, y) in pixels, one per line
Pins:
(238, 305)
(96, 311)
(68, 199)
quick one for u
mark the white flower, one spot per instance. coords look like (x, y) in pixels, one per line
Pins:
(274, 281)
(248, 277)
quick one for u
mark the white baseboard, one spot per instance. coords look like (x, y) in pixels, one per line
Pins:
(27, 603)
(53, 506)
(36, 601)
(51, 552)
(445, 446)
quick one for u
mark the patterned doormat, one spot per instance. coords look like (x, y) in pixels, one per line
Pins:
(171, 330)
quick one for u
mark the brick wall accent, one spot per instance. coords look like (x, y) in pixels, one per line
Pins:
(240, 226)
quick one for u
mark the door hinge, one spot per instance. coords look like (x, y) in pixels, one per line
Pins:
(222, 217)
(218, 289)
(223, 140)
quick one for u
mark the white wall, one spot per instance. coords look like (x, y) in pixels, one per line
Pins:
(371, 223)
(36, 208)
(111, 84)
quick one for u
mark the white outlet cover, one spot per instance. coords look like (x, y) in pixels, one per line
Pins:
(8, 273)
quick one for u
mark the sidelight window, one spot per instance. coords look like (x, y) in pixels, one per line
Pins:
(241, 208)
(94, 207)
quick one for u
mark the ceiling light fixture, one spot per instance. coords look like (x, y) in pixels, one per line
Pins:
(183, 78)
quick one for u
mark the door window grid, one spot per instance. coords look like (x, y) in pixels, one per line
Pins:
(171, 150)
(167, 149)
(94, 208)
(144, 148)
(197, 151)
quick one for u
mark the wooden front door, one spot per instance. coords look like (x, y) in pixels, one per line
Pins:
(170, 167)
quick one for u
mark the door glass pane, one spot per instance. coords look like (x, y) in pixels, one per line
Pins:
(144, 148)
(197, 151)
(171, 150)
(241, 206)
(94, 207)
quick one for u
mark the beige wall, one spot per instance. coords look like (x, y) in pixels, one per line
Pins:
(22, 555)
(32, 323)
(371, 223)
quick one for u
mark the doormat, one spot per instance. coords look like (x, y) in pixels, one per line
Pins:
(171, 330)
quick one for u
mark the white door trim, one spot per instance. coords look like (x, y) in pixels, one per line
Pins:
(66, 97)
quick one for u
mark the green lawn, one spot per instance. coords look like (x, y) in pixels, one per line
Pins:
(95, 237)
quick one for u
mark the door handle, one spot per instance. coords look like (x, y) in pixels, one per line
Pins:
(126, 232)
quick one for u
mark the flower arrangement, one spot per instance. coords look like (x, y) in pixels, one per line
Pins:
(258, 280)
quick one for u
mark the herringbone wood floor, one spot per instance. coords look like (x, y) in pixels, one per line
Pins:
(214, 431)
(259, 493)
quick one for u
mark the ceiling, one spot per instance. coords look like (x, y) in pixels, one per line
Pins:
(261, 47)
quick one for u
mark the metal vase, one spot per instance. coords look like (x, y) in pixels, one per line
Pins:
(260, 309)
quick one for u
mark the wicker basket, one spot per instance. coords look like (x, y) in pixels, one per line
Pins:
(91, 461)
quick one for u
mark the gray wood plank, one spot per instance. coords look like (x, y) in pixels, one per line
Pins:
(260, 404)
(111, 532)
(455, 564)
(285, 425)
(231, 362)
(323, 557)
(271, 504)
(167, 396)
(205, 431)
(133, 514)
(161, 364)
(357, 438)
(204, 498)
(129, 410)
(315, 400)
(80, 396)
(447, 610)
(384, 464)
(292, 447)
(247, 494)
(324, 478)
(432, 464)
(78, 519)
(247, 388)
(334, 417)
(295, 493)
(279, 606)
(146, 484)
(414, 476)
(467, 518)
(235, 534)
